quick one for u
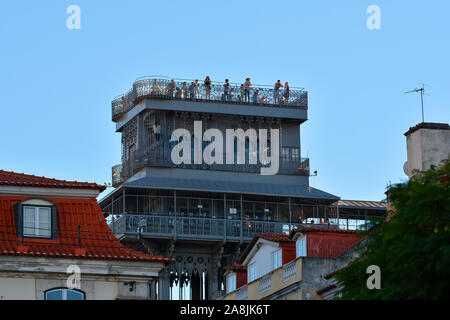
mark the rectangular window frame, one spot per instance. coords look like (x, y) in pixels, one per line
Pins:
(252, 272)
(231, 283)
(36, 228)
(277, 259)
(301, 247)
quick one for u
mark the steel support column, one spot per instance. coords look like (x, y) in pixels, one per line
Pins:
(225, 214)
(175, 214)
(242, 220)
(338, 221)
(290, 215)
(123, 201)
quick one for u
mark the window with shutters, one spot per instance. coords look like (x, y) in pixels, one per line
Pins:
(36, 218)
(276, 259)
(251, 272)
(37, 221)
(231, 283)
(301, 247)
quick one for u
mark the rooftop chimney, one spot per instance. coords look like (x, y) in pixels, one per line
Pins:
(428, 144)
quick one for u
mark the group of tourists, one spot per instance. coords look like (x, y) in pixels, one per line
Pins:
(245, 94)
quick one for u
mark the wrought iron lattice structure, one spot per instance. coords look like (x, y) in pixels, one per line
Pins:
(204, 215)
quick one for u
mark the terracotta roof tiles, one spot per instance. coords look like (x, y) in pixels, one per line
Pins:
(94, 241)
(10, 178)
(277, 237)
(321, 229)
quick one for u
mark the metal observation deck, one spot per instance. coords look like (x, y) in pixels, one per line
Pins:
(121, 172)
(163, 226)
(158, 88)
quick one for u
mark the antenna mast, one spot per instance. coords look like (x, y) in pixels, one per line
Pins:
(422, 91)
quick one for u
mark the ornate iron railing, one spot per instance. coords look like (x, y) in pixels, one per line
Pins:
(182, 89)
(139, 160)
(193, 227)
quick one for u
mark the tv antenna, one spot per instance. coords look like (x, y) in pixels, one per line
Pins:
(422, 92)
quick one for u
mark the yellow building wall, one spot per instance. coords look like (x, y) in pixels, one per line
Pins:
(230, 296)
(277, 284)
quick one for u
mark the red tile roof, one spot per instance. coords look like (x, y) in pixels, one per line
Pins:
(269, 236)
(97, 240)
(237, 267)
(234, 267)
(321, 229)
(276, 237)
(10, 178)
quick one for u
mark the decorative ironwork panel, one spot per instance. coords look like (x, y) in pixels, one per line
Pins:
(181, 89)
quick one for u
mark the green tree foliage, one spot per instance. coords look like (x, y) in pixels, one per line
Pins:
(411, 246)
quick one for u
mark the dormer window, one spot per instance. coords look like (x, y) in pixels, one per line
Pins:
(36, 218)
(231, 283)
(251, 272)
(37, 221)
(301, 247)
(276, 259)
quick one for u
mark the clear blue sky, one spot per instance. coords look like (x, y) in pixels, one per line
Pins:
(57, 84)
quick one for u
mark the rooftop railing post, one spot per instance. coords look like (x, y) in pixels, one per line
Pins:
(225, 214)
(113, 223)
(123, 200)
(175, 214)
(242, 220)
(290, 216)
(365, 219)
(337, 212)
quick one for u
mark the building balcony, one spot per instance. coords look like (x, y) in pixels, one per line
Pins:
(277, 283)
(182, 227)
(121, 172)
(158, 88)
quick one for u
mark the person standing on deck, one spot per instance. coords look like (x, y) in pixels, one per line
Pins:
(287, 92)
(207, 85)
(247, 86)
(276, 92)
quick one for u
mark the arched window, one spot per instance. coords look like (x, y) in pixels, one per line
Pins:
(64, 294)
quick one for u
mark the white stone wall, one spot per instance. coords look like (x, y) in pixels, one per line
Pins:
(262, 257)
(426, 147)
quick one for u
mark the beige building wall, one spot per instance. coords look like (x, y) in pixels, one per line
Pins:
(17, 289)
(28, 278)
(105, 290)
(28, 287)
